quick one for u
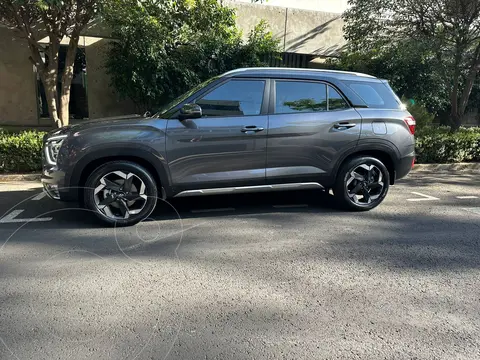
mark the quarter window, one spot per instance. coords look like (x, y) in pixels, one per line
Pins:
(234, 98)
(375, 94)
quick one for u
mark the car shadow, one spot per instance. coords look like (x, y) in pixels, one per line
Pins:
(71, 216)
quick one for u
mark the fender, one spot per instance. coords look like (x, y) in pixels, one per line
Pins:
(365, 145)
(143, 152)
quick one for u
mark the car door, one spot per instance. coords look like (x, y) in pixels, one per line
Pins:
(227, 145)
(310, 126)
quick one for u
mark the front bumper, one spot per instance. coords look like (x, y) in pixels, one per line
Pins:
(53, 181)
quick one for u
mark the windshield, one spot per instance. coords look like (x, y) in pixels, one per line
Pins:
(182, 97)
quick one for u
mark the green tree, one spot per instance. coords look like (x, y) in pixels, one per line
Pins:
(407, 67)
(165, 48)
(34, 20)
(446, 32)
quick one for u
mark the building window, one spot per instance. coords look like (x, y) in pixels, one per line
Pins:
(78, 93)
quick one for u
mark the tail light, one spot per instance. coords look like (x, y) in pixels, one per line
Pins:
(411, 123)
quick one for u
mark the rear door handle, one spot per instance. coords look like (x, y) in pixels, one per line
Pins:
(252, 128)
(344, 125)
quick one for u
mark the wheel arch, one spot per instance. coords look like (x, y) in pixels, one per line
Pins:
(147, 159)
(384, 153)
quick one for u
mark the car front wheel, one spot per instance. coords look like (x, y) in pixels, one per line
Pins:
(362, 183)
(121, 193)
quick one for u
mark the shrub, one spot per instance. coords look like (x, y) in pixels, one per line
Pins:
(21, 152)
(422, 116)
(440, 145)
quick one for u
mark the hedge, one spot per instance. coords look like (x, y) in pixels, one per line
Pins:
(21, 152)
(439, 145)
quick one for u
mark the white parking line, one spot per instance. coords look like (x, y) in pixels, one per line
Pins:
(424, 198)
(475, 210)
(212, 210)
(39, 196)
(467, 197)
(11, 218)
(290, 206)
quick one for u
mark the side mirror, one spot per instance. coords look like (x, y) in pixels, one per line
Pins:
(190, 111)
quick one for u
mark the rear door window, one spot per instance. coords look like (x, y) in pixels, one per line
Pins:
(335, 100)
(300, 96)
(375, 95)
(306, 96)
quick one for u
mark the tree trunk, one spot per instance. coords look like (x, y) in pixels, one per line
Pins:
(49, 77)
(470, 80)
(67, 77)
(50, 85)
(455, 118)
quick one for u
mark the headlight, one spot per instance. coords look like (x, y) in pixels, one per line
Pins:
(52, 148)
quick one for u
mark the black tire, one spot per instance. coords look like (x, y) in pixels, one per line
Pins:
(144, 205)
(345, 186)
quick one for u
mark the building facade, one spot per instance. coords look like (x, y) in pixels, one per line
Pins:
(307, 36)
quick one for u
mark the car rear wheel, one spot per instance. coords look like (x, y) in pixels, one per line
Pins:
(121, 193)
(362, 183)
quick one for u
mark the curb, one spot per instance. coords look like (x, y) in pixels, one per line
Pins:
(447, 167)
(19, 177)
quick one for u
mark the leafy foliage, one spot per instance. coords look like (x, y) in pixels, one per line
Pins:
(442, 37)
(422, 116)
(441, 145)
(166, 47)
(408, 69)
(21, 152)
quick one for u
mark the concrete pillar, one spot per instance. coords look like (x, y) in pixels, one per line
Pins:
(103, 101)
(18, 84)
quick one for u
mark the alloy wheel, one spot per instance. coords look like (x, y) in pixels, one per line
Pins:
(120, 195)
(364, 184)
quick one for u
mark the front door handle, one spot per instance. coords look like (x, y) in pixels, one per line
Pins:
(344, 125)
(252, 128)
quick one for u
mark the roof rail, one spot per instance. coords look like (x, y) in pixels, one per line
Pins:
(254, 69)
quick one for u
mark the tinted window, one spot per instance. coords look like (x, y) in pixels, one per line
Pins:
(300, 96)
(234, 98)
(183, 97)
(335, 100)
(375, 95)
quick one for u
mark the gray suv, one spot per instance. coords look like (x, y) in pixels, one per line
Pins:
(248, 130)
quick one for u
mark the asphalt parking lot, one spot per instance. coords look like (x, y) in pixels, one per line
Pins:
(284, 275)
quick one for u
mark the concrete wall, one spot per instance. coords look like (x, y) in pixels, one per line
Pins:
(18, 92)
(332, 6)
(102, 99)
(299, 31)
(313, 32)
